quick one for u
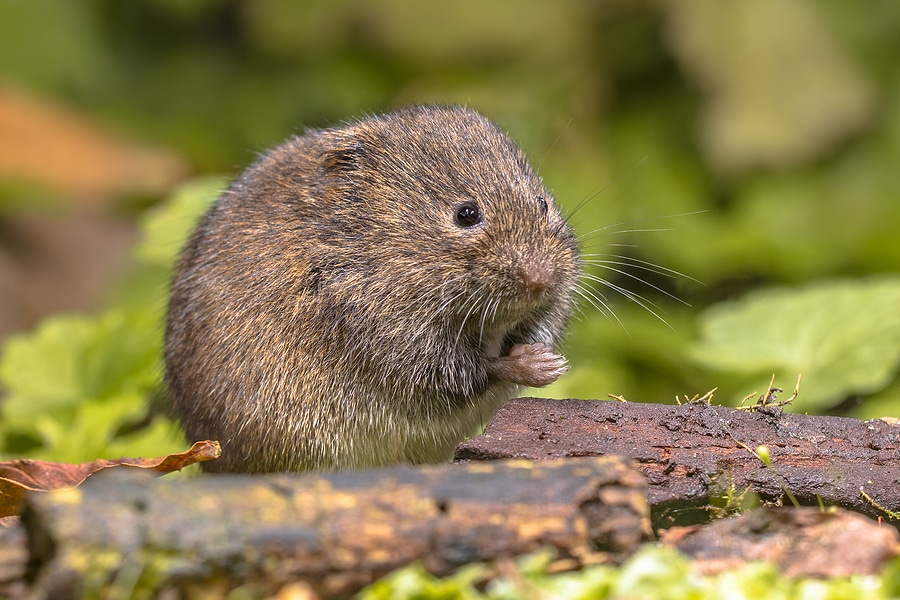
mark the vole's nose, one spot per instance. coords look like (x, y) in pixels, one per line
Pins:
(535, 275)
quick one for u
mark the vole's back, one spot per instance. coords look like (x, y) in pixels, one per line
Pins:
(360, 295)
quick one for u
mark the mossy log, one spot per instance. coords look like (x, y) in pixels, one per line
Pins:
(695, 455)
(336, 532)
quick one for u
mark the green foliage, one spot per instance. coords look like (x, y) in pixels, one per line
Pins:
(165, 228)
(78, 387)
(76, 381)
(843, 336)
(69, 358)
(655, 572)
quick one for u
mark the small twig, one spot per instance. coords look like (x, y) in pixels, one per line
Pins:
(870, 500)
(770, 400)
(707, 398)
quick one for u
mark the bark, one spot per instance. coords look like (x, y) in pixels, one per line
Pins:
(696, 455)
(801, 542)
(336, 532)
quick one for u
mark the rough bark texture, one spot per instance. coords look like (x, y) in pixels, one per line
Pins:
(694, 452)
(340, 531)
(337, 532)
(802, 542)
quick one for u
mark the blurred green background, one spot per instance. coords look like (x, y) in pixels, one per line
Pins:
(751, 151)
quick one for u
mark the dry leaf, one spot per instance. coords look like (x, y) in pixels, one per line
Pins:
(25, 475)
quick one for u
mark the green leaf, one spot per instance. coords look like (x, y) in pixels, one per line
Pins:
(161, 437)
(70, 358)
(95, 432)
(76, 380)
(88, 433)
(843, 336)
(44, 371)
(609, 355)
(166, 228)
(653, 572)
(414, 582)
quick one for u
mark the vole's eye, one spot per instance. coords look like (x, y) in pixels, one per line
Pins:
(542, 202)
(467, 215)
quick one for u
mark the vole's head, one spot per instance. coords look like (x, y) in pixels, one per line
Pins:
(441, 210)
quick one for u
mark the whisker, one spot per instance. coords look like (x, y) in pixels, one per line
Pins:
(634, 221)
(634, 297)
(494, 311)
(644, 265)
(484, 315)
(584, 237)
(598, 303)
(431, 291)
(595, 299)
(602, 189)
(618, 288)
(475, 302)
(636, 278)
(450, 300)
(552, 146)
(650, 268)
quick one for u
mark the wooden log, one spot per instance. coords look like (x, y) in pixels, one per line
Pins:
(336, 532)
(13, 560)
(693, 452)
(802, 542)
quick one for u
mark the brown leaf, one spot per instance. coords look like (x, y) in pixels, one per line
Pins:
(25, 475)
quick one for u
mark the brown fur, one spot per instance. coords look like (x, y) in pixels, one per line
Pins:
(330, 312)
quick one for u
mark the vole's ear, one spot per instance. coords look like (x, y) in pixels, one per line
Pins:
(346, 157)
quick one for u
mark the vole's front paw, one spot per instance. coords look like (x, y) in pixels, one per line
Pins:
(534, 365)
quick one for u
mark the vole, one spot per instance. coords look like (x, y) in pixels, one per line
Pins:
(368, 295)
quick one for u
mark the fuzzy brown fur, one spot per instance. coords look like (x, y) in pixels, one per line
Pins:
(340, 306)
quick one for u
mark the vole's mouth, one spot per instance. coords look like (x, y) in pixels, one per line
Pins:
(508, 342)
(513, 324)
